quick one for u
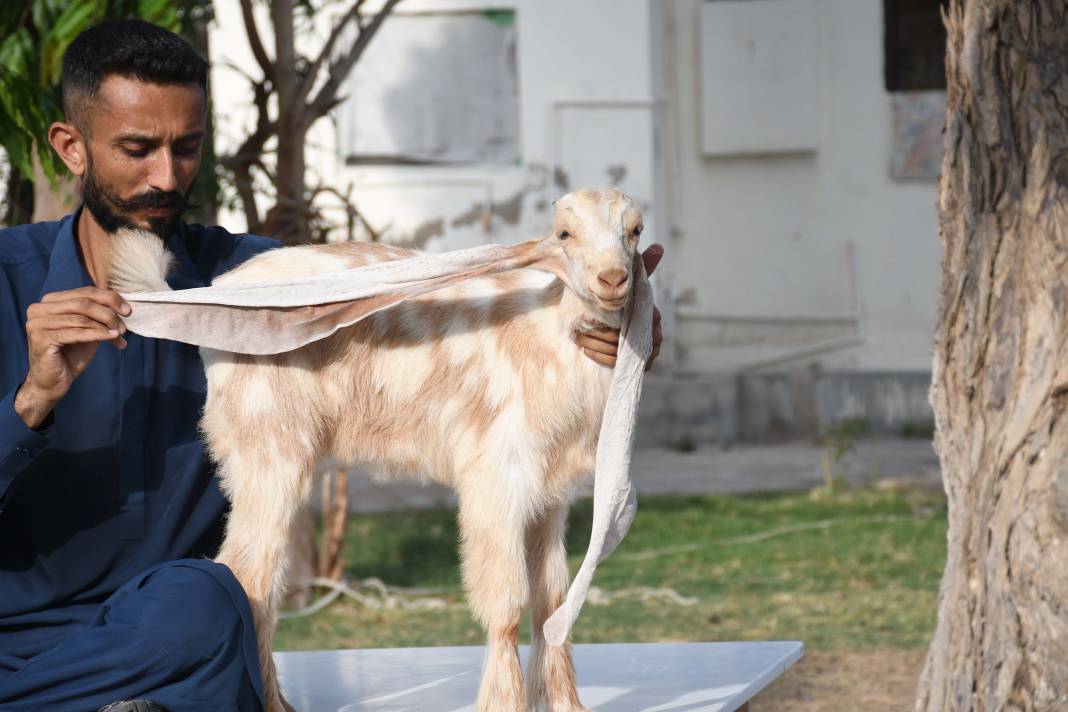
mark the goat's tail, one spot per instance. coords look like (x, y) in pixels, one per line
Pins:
(139, 262)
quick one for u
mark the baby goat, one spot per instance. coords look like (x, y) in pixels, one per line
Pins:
(478, 386)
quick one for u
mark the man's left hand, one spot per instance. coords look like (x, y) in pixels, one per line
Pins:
(602, 345)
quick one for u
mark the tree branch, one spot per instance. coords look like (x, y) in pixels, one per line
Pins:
(352, 214)
(248, 155)
(254, 40)
(326, 98)
(247, 194)
(353, 13)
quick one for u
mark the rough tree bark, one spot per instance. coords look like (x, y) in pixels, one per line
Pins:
(1000, 386)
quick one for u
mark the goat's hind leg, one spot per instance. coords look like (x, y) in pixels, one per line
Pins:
(494, 573)
(550, 671)
(264, 493)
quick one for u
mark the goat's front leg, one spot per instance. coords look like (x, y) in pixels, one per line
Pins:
(550, 672)
(265, 494)
(494, 573)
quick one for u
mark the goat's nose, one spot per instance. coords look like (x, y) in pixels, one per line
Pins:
(613, 278)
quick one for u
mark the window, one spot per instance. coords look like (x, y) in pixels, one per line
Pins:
(434, 88)
(914, 45)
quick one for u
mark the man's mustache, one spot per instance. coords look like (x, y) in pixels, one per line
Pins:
(152, 199)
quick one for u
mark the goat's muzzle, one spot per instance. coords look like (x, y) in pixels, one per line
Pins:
(612, 288)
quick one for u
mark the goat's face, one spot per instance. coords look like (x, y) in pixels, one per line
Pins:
(598, 232)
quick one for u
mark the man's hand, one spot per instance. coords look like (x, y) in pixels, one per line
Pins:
(602, 345)
(63, 331)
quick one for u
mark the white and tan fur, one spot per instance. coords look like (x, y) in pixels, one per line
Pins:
(478, 386)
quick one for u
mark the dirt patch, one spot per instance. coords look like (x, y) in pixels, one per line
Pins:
(875, 681)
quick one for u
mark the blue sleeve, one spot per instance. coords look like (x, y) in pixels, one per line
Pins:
(19, 443)
(24, 261)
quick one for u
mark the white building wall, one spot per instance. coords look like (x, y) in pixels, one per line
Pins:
(764, 251)
(783, 256)
(585, 107)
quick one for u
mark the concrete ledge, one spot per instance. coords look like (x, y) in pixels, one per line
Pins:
(762, 407)
(699, 410)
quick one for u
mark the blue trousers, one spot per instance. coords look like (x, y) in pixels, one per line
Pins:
(180, 634)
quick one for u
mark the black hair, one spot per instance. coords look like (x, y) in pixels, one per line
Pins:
(129, 48)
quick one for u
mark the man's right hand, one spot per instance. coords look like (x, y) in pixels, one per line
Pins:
(63, 331)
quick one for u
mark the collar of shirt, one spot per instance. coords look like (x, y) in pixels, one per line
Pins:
(66, 270)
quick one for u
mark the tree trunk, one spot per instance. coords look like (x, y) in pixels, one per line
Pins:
(335, 515)
(18, 209)
(53, 203)
(288, 219)
(1000, 383)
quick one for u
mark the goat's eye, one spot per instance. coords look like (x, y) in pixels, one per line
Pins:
(637, 231)
(564, 234)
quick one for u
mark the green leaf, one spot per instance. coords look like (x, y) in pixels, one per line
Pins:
(76, 18)
(26, 110)
(41, 15)
(11, 16)
(160, 12)
(18, 53)
(73, 20)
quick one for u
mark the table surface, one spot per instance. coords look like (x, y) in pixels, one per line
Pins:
(645, 677)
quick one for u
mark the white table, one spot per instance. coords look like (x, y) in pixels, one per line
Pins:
(647, 677)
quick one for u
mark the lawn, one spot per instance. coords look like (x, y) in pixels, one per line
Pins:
(855, 572)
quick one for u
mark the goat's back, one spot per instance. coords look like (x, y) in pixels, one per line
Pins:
(480, 374)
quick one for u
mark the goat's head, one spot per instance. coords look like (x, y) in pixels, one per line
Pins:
(596, 241)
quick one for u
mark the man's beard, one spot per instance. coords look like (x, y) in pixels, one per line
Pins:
(113, 213)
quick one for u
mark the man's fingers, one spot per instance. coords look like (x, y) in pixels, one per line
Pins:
(591, 344)
(652, 356)
(82, 306)
(658, 337)
(652, 256)
(60, 322)
(67, 337)
(600, 358)
(609, 336)
(103, 297)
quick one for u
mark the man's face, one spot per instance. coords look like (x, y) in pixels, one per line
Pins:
(143, 147)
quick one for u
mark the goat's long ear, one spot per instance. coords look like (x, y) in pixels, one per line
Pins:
(553, 259)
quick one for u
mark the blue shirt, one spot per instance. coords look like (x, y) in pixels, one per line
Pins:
(118, 479)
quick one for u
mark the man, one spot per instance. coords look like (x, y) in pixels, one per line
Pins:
(108, 507)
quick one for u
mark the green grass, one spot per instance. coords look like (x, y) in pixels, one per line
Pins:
(855, 571)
